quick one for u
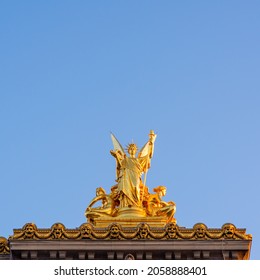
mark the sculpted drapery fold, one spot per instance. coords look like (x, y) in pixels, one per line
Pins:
(130, 169)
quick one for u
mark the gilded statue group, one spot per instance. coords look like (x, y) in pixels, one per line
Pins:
(130, 195)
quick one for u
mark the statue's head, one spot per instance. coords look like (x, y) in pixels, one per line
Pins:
(3, 244)
(29, 230)
(143, 230)
(100, 191)
(200, 230)
(132, 149)
(229, 230)
(114, 231)
(85, 230)
(57, 230)
(171, 229)
(161, 190)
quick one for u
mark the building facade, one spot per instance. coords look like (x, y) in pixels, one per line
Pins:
(118, 242)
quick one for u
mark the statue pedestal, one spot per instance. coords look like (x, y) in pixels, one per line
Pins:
(130, 217)
(130, 222)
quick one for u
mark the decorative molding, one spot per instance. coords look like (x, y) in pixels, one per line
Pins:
(115, 231)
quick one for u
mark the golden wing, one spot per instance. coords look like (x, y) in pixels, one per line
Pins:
(147, 149)
(116, 144)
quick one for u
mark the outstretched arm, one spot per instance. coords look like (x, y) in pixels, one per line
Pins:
(93, 201)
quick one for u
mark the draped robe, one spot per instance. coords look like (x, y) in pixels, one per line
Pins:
(129, 177)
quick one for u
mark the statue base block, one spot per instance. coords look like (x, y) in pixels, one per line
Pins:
(130, 222)
(130, 217)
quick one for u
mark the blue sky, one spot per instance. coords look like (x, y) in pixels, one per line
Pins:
(72, 71)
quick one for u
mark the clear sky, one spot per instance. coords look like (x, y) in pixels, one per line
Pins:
(72, 71)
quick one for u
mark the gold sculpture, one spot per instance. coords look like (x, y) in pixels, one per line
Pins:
(130, 200)
(108, 204)
(157, 207)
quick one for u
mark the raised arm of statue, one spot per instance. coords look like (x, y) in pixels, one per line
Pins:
(146, 154)
(152, 137)
(148, 148)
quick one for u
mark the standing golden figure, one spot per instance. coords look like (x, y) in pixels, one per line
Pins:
(130, 169)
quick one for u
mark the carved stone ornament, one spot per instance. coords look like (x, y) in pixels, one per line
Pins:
(4, 246)
(115, 231)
